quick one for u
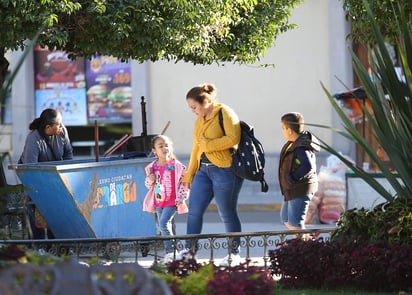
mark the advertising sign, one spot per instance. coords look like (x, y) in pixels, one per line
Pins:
(60, 84)
(109, 92)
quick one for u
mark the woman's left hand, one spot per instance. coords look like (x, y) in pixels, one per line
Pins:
(187, 185)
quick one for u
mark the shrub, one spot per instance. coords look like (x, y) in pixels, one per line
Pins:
(343, 264)
(300, 264)
(188, 277)
(242, 280)
(389, 221)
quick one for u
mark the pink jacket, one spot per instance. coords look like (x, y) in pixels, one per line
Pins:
(182, 191)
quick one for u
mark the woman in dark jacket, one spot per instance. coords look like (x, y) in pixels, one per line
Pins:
(297, 170)
(48, 140)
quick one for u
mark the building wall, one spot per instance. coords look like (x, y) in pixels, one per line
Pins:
(260, 95)
(315, 52)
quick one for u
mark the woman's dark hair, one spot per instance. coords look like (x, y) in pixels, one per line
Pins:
(294, 121)
(201, 92)
(47, 117)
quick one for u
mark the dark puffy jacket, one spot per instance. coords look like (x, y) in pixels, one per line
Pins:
(297, 167)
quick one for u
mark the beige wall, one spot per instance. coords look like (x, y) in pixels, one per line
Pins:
(312, 53)
(260, 95)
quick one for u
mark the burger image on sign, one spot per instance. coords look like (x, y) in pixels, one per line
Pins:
(97, 98)
(120, 99)
(97, 93)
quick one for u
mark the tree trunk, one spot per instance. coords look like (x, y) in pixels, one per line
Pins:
(365, 128)
(4, 66)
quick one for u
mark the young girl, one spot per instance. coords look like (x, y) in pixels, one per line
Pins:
(167, 193)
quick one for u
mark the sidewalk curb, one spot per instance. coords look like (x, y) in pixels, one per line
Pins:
(251, 207)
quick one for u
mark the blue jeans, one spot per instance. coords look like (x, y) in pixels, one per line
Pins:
(223, 185)
(294, 211)
(165, 217)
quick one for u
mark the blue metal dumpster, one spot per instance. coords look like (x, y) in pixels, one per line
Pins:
(89, 199)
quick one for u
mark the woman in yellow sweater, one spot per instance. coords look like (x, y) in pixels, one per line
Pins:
(209, 172)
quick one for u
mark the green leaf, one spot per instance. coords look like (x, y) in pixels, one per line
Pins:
(390, 98)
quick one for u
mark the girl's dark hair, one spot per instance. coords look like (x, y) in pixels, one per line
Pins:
(166, 139)
(294, 121)
(47, 117)
(201, 92)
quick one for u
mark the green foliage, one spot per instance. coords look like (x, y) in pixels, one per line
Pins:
(172, 281)
(195, 31)
(383, 10)
(391, 119)
(43, 258)
(11, 254)
(194, 283)
(390, 222)
(188, 277)
(201, 32)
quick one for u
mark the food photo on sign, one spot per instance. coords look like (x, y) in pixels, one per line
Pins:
(109, 92)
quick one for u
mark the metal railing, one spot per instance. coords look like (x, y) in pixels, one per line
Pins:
(254, 246)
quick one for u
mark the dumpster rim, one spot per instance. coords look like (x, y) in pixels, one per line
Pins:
(76, 164)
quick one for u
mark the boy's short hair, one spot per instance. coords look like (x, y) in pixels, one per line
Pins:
(293, 120)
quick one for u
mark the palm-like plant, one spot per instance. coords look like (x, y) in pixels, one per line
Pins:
(391, 116)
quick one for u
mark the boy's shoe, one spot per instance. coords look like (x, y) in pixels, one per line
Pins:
(235, 260)
(185, 254)
(168, 258)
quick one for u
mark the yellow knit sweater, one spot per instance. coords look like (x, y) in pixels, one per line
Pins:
(208, 138)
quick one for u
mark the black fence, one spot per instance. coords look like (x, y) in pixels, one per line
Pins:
(254, 246)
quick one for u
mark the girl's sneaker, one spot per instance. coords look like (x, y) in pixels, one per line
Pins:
(168, 258)
(234, 260)
(185, 254)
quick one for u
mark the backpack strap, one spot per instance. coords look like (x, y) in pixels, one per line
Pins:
(221, 121)
(232, 149)
(263, 184)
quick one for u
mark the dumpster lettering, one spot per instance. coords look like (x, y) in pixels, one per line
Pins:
(115, 191)
(121, 178)
(104, 181)
(115, 179)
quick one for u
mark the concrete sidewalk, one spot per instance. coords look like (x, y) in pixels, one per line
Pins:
(252, 222)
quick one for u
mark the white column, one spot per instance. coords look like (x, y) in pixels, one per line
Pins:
(23, 111)
(140, 73)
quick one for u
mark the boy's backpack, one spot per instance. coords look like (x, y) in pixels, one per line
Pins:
(248, 160)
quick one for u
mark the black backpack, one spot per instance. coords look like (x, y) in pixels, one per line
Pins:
(248, 160)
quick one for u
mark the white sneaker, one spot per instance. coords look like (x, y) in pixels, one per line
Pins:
(185, 254)
(234, 260)
(168, 258)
